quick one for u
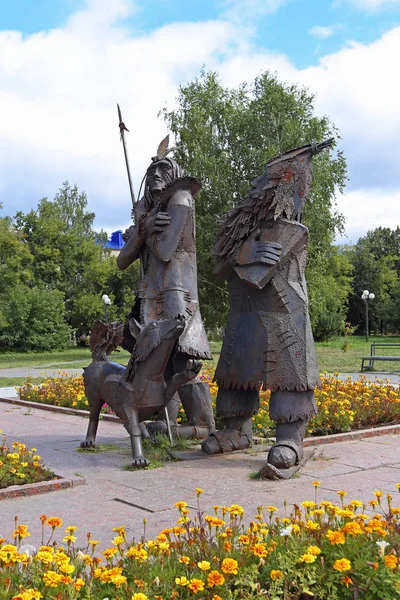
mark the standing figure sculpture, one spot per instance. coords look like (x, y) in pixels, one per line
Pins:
(261, 250)
(163, 239)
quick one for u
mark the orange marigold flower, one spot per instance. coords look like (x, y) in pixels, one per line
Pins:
(180, 504)
(347, 580)
(352, 528)
(196, 585)
(54, 521)
(215, 578)
(184, 560)
(276, 574)
(216, 597)
(259, 550)
(391, 561)
(229, 565)
(78, 584)
(335, 537)
(342, 564)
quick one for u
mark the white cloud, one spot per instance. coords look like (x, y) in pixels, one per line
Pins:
(60, 89)
(369, 5)
(322, 32)
(367, 209)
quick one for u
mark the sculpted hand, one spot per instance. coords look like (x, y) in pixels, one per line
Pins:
(157, 223)
(255, 251)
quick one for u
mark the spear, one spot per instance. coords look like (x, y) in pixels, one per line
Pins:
(122, 129)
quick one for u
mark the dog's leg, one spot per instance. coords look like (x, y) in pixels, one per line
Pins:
(191, 371)
(138, 460)
(95, 408)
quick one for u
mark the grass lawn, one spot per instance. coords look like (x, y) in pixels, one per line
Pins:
(331, 357)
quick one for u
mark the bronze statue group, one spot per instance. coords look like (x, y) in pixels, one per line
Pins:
(261, 252)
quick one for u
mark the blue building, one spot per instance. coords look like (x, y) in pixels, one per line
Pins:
(115, 242)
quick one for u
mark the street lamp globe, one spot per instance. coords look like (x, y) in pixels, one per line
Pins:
(106, 299)
(365, 294)
(371, 296)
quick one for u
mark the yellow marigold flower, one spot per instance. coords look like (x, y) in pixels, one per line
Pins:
(356, 503)
(94, 543)
(118, 580)
(66, 568)
(347, 580)
(378, 493)
(70, 529)
(69, 538)
(118, 540)
(396, 511)
(215, 578)
(391, 561)
(236, 509)
(199, 491)
(244, 540)
(342, 564)
(139, 596)
(313, 550)
(180, 504)
(312, 525)
(109, 552)
(54, 521)
(196, 585)
(184, 560)
(318, 512)
(335, 537)
(216, 597)
(316, 483)
(120, 530)
(204, 565)
(398, 486)
(21, 531)
(296, 528)
(259, 550)
(78, 584)
(342, 493)
(307, 558)
(44, 556)
(272, 509)
(308, 504)
(139, 582)
(276, 574)
(229, 565)
(182, 581)
(52, 579)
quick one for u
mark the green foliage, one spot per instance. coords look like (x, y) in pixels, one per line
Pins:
(329, 325)
(34, 320)
(70, 256)
(376, 264)
(224, 137)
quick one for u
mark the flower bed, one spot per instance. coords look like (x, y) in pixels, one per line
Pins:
(343, 405)
(319, 550)
(19, 465)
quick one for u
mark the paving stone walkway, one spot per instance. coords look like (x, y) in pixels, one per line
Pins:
(114, 496)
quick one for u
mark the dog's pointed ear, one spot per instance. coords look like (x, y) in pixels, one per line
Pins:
(135, 328)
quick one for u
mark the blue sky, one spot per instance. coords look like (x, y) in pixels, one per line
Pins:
(285, 31)
(67, 62)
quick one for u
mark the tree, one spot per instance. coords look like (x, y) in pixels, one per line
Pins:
(71, 257)
(376, 264)
(35, 320)
(224, 137)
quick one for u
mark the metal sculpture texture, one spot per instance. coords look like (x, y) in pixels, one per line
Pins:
(261, 251)
(163, 239)
(136, 392)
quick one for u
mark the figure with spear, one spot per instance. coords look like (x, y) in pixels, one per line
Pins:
(162, 238)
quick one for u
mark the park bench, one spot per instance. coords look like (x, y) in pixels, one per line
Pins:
(368, 361)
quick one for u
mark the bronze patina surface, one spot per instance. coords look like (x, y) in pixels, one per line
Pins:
(163, 240)
(261, 250)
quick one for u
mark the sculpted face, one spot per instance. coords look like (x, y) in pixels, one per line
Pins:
(159, 175)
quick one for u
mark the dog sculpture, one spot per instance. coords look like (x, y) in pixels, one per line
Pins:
(138, 391)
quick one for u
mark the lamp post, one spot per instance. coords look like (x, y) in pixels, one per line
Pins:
(366, 296)
(107, 303)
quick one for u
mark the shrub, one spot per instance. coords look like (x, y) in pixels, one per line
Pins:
(34, 320)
